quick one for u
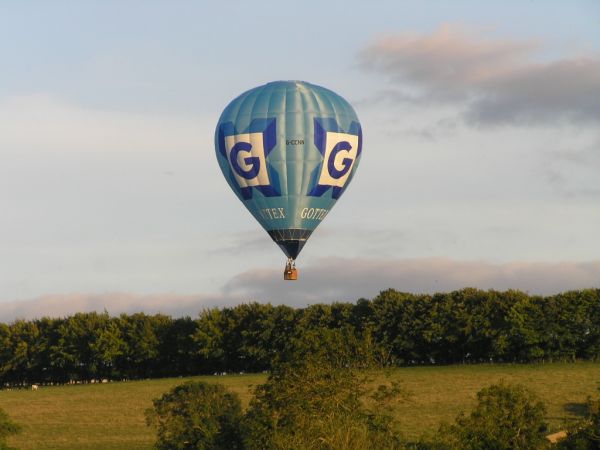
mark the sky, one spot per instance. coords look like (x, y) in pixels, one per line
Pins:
(480, 166)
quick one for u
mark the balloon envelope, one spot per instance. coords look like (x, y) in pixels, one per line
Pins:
(288, 149)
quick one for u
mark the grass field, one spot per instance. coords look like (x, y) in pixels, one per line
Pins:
(111, 416)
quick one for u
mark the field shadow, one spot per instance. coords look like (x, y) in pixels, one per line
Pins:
(576, 409)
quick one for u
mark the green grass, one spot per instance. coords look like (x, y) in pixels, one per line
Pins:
(97, 416)
(111, 416)
(441, 393)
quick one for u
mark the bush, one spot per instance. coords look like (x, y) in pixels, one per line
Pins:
(317, 401)
(197, 415)
(506, 417)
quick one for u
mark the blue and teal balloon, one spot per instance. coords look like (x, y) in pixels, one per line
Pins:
(289, 149)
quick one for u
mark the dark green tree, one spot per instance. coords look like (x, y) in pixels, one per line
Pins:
(26, 346)
(590, 329)
(316, 400)
(209, 339)
(397, 320)
(177, 351)
(139, 332)
(106, 346)
(197, 416)
(507, 417)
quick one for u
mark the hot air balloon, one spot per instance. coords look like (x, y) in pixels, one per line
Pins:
(288, 149)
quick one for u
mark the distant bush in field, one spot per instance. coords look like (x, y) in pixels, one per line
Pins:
(7, 428)
(507, 417)
(197, 415)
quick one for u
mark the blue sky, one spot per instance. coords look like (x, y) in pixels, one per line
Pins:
(480, 167)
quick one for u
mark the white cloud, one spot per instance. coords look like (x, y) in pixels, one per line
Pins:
(333, 279)
(498, 81)
(114, 303)
(327, 280)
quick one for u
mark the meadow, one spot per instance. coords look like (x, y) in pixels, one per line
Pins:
(111, 415)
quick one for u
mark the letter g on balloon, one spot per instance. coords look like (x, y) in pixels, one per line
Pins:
(341, 151)
(346, 162)
(252, 162)
(246, 153)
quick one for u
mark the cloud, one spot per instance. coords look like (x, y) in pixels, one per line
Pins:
(496, 81)
(114, 303)
(334, 279)
(327, 280)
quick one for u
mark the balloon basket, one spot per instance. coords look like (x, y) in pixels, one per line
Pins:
(290, 273)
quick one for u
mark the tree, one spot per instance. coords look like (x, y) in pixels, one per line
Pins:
(177, 352)
(507, 417)
(197, 415)
(208, 339)
(141, 345)
(526, 335)
(315, 399)
(25, 344)
(105, 345)
(397, 325)
(591, 328)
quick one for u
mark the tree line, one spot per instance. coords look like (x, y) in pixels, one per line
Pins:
(396, 328)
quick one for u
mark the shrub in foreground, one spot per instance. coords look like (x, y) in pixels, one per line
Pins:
(197, 415)
(318, 401)
(507, 417)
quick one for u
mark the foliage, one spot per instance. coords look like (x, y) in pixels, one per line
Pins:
(507, 417)
(7, 428)
(197, 416)
(315, 400)
(393, 329)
